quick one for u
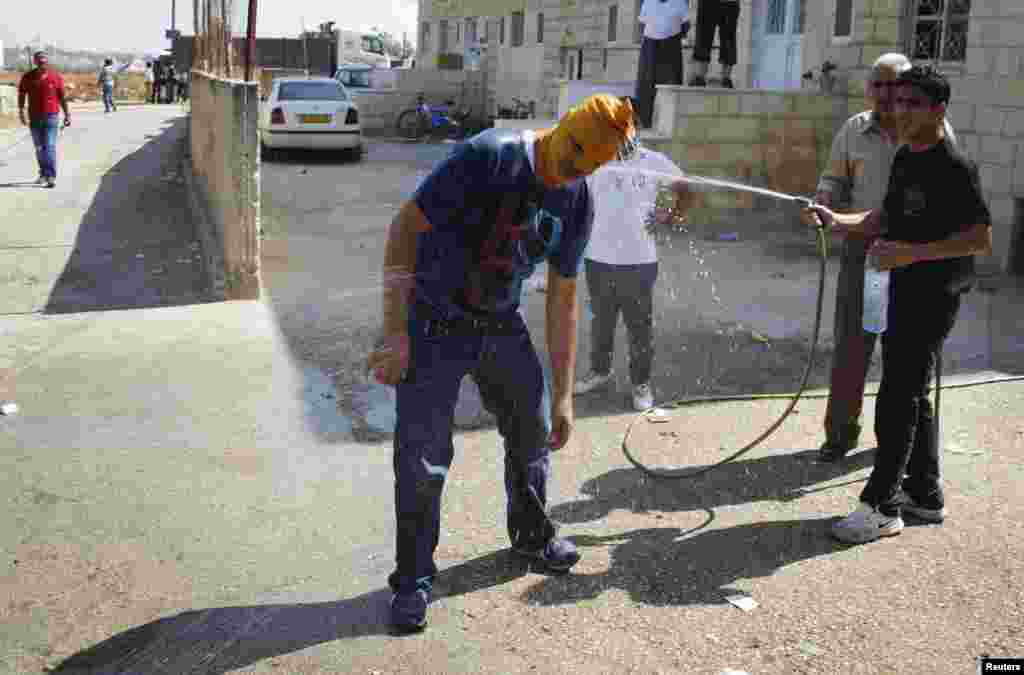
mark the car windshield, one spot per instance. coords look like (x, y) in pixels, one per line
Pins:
(355, 78)
(311, 91)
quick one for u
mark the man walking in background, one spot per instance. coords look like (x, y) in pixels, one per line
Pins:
(106, 83)
(621, 267)
(150, 83)
(43, 89)
(855, 180)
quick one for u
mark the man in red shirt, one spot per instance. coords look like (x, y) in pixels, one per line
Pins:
(44, 90)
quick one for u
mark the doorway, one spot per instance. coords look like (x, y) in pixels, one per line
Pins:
(777, 37)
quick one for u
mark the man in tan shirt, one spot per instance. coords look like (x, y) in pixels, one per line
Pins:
(855, 180)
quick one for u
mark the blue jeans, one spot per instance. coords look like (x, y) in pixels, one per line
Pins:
(44, 135)
(511, 379)
(108, 97)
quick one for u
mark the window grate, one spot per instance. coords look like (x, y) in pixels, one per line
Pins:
(940, 30)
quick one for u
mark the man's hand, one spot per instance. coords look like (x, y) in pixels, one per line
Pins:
(67, 120)
(686, 198)
(21, 116)
(819, 214)
(562, 420)
(891, 255)
(389, 360)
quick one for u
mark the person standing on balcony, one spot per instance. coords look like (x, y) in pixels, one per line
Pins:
(666, 23)
(712, 15)
(855, 179)
(43, 89)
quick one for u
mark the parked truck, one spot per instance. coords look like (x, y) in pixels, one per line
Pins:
(360, 47)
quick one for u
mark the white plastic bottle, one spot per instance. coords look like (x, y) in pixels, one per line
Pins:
(876, 297)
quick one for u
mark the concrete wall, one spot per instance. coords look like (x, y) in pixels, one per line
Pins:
(225, 182)
(769, 139)
(987, 110)
(396, 90)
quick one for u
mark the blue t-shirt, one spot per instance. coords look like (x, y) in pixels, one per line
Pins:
(492, 221)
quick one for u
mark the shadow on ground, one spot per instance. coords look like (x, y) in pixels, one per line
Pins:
(779, 477)
(661, 566)
(224, 639)
(136, 246)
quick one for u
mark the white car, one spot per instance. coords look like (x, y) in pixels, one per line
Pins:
(315, 113)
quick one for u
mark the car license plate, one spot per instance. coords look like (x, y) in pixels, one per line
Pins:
(315, 119)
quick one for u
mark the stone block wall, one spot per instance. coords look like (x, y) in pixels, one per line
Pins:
(380, 107)
(776, 140)
(225, 182)
(987, 111)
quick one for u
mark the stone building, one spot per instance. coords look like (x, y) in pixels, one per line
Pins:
(801, 71)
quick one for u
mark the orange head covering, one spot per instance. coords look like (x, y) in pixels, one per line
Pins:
(598, 130)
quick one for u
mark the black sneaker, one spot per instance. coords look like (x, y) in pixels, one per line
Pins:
(409, 611)
(836, 447)
(698, 81)
(931, 510)
(558, 555)
(727, 83)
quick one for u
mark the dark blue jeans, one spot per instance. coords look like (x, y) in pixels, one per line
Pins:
(510, 376)
(44, 135)
(108, 97)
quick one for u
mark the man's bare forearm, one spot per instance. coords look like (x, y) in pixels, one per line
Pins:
(562, 313)
(400, 267)
(975, 241)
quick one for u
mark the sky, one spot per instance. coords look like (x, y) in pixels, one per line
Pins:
(130, 25)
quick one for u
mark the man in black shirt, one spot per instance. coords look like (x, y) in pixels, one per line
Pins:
(933, 222)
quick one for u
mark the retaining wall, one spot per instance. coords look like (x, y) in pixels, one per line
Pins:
(224, 182)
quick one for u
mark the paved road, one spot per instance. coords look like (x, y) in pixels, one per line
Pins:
(183, 495)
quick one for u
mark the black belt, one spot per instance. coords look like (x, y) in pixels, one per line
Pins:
(434, 326)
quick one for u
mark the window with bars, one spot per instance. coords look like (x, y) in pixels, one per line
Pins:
(501, 31)
(613, 23)
(470, 31)
(540, 28)
(940, 30)
(442, 37)
(843, 27)
(518, 28)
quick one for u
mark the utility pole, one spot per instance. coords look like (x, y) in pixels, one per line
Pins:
(250, 41)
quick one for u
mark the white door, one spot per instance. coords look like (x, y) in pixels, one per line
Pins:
(778, 27)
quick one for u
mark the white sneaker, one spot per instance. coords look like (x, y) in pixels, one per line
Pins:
(643, 397)
(866, 524)
(591, 382)
(41, 181)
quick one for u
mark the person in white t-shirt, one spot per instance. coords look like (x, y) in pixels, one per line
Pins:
(621, 264)
(666, 23)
